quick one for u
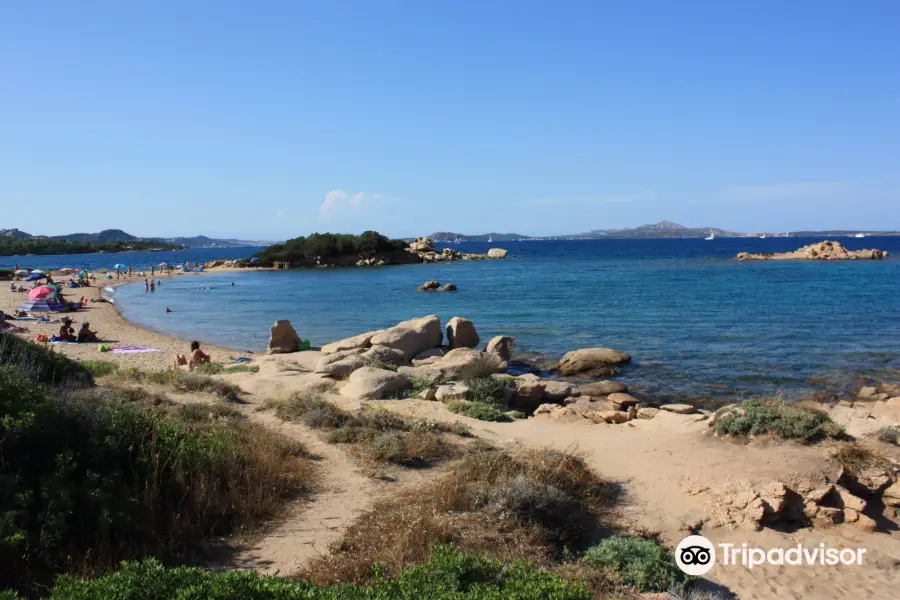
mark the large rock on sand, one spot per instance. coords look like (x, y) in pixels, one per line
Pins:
(502, 347)
(461, 333)
(360, 341)
(384, 355)
(592, 360)
(411, 337)
(283, 339)
(461, 361)
(375, 384)
(341, 364)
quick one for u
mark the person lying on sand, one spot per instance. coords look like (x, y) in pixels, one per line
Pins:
(86, 335)
(198, 357)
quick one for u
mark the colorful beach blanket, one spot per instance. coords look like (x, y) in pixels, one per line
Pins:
(132, 350)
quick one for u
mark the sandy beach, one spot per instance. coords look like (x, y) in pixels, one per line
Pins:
(112, 327)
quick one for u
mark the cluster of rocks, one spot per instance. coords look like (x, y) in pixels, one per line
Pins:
(608, 402)
(425, 249)
(820, 501)
(826, 250)
(433, 286)
(878, 404)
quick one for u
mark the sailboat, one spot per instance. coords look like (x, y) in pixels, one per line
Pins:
(490, 239)
(860, 235)
(762, 237)
(712, 235)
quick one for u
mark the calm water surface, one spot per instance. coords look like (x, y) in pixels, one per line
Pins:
(697, 323)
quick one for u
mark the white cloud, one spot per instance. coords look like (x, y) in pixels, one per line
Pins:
(790, 191)
(595, 200)
(340, 202)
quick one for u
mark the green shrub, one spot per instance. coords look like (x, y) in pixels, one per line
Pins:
(448, 575)
(486, 390)
(179, 381)
(42, 364)
(87, 481)
(639, 563)
(889, 435)
(761, 417)
(220, 369)
(475, 410)
(100, 368)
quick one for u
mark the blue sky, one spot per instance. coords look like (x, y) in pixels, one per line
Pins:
(266, 120)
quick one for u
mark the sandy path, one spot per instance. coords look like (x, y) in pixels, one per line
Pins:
(310, 527)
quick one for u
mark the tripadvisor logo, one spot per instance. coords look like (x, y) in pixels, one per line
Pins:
(696, 555)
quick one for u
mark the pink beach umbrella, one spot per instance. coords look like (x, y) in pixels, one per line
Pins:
(39, 293)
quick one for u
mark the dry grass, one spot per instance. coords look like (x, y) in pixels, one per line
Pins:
(376, 435)
(856, 459)
(534, 505)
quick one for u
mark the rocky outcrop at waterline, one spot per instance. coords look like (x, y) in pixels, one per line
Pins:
(826, 250)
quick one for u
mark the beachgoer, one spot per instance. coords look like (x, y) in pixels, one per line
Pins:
(152, 287)
(168, 309)
(152, 271)
(66, 333)
(197, 357)
(232, 283)
(86, 335)
(146, 286)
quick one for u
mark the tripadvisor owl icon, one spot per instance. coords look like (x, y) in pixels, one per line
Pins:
(695, 555)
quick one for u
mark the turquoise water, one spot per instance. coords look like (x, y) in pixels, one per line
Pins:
(697, 323)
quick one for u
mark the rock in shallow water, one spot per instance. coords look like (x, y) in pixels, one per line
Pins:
(589, 360)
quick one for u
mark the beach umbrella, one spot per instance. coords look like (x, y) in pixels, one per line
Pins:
(39, 293)
(22, 272)
(66, 270)
(254, 259)
(120, 266)
(44, 304)
(39, 272)
(35, 277)
(163, 264)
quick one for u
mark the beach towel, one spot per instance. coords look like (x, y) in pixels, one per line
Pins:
(57, 341)
(242, 359)
(132, 350)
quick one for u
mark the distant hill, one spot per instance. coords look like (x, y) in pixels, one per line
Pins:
(16, 234)
(663, 229)
(118, 236)
(446, 236)
(107, 235)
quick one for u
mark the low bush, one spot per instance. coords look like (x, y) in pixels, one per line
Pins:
(448, 575)
(533, 505)
(475, 410)
(856, 459)
(378, 435)
(42, 364)
(889, 435)
(220, 369)
(178, 381)
(100, 368)
(87, 479)
(638, 563)
(774, 417)
(486, 390)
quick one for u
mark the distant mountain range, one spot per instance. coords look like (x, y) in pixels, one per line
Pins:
(663, 229)
(117, 235)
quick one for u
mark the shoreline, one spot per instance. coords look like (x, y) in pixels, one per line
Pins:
(108, 320)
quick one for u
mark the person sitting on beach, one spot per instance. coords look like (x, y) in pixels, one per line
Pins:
(198, 357)
(66, 333)
(86, 335)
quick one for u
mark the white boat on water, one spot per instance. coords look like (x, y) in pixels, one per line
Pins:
(712, 235)
(490, 239)
(762, 237)
(860, 235)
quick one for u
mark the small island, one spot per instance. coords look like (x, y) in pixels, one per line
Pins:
(826, 250)
(370, 249)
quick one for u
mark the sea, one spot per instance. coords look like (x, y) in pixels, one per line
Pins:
(698, 324)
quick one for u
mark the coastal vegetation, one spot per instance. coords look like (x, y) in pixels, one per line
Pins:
(92, 475)
(329, 245)
(375, 435)
(178, 381)
(757, 417)
(46, 246)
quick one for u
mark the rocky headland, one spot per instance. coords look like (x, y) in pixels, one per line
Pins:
(826, 250)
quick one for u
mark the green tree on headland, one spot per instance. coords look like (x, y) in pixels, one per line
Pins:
(329, 245)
